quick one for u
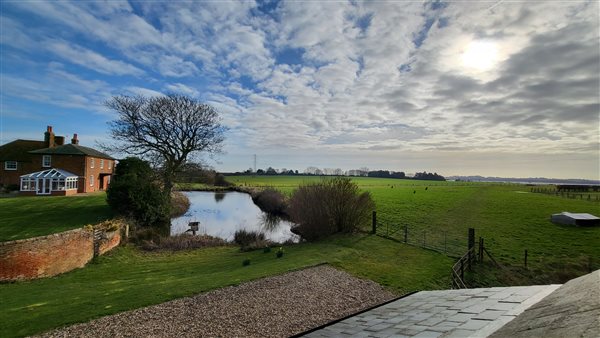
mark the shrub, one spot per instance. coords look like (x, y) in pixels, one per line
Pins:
(267, 249)
(134, 193)
(279, 253)
(250, 240)
(246, 262)
(271, 201)
(330, 206)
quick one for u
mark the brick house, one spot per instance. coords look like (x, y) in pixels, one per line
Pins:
(51, 167)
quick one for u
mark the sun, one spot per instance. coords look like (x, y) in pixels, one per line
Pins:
(480, 55)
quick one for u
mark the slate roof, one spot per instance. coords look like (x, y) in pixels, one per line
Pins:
(72, 149)
(17, 150)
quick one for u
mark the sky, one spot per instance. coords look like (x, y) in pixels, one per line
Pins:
(492, 88)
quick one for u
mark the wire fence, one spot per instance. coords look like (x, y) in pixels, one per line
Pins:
(450, 244)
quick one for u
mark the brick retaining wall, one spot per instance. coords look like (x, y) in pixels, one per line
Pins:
(51, 255)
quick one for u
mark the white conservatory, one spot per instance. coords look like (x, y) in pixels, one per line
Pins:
(50, 182)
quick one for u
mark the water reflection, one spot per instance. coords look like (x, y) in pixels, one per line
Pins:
(219, 196)
(221, 217)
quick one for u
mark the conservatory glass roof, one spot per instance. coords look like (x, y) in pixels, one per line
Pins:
(50, 173)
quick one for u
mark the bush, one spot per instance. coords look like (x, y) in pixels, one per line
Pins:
(330, 206)
(279, 253)
(246, 262)
(134, 193)
(271, 201)
(250, 240)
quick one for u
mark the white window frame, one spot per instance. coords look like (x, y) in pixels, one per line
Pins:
(7, 167)
(91, 162)
(101, 163)
(47, 164)
(91, 180)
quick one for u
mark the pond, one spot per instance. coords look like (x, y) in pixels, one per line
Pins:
(222, 213)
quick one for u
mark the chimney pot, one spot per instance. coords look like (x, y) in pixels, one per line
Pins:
(49, 129)
(74, 140)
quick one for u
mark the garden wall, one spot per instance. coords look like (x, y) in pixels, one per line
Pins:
(51, 255)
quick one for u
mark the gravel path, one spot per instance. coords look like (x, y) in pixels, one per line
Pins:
(276, 306)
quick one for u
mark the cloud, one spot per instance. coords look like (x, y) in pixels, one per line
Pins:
(182, 89)
(92, 60)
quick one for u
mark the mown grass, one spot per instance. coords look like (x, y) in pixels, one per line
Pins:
(509, 217)
(25, 217)
(128, 278)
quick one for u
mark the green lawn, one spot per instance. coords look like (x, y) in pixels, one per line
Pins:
(25, 217)
(508, 216)
(128, 278)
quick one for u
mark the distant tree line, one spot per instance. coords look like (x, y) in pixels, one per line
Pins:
(429, 176)
(365, 172)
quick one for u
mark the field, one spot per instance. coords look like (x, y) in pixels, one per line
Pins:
(128, 278)
(25, 217)
(509, 217)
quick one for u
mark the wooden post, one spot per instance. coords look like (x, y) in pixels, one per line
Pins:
(406, 234)
(471, 246)
(525, 260)
(462, 269)
(471, 238)
(480, 249)
(374, 222)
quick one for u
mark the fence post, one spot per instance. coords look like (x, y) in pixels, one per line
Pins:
(462, 269)
(406, 234)
(374, 222)
(525, 260)
(471, 246)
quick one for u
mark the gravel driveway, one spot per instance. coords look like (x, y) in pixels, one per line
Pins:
(276, 306)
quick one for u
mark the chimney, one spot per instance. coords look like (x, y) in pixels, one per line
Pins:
(59, 140)
(49, 137)
(74, 140)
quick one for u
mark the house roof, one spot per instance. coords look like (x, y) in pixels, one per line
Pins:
(17, 150)
(50, 173)
(72, 149)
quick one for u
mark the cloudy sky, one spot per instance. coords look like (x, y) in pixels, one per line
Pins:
(502, 88)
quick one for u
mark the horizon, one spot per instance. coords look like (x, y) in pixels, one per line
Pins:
(494, 89)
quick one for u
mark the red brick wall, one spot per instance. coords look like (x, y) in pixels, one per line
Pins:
(51, 255)
(96, 172)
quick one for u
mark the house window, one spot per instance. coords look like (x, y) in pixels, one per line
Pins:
(91, 180)
(109, 164)
(46, 161)
(101, 164)
(92, 163)
(10, 165)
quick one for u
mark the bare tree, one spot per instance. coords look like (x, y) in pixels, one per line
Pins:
(169, 129)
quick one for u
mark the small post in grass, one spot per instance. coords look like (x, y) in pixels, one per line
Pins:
(374, 222)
